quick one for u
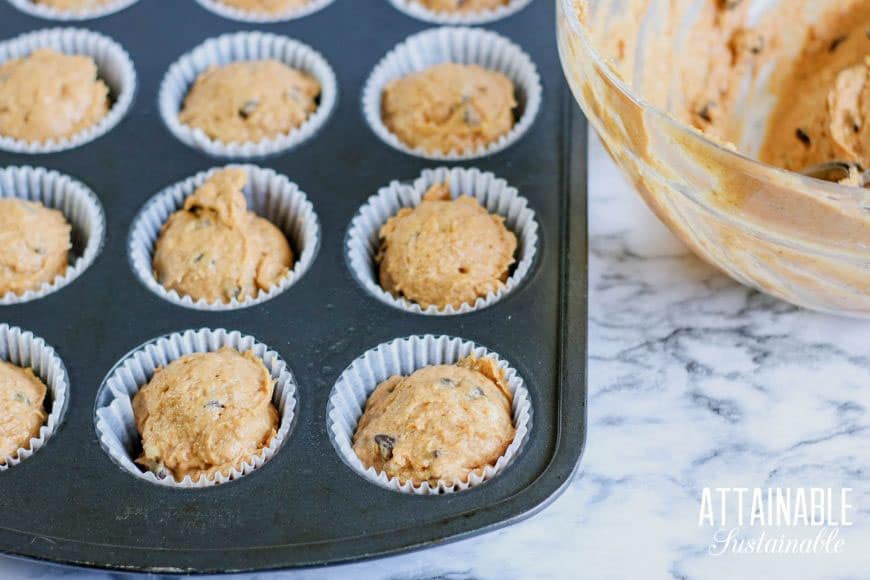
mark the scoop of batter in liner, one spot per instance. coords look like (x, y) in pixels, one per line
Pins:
(73, 5)
(21, 408)
(463, 5)
(450, 107)
(441, 423)
(214, 249)
(50, 95)
(250, 101)
(34, 245)
(205, 413)
(266, 6)
(445, 251)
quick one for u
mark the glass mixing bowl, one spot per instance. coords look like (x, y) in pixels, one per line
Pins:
(801, 239)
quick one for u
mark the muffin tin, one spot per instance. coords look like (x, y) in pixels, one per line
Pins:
(70, 502)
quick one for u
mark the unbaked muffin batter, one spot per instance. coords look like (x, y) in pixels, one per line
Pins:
(214, 249)
(34, 245)
(450, 107)
(266, 6)
(445, 251)
(73, 5)
(205, 413)
(250, 101)
(463, 5)
(21, 408)
(50, 95)
(441, 423)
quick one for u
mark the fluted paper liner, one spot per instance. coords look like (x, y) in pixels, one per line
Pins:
(269, 195)
(114, 68)
(493, 193)
(23, 349)
(241, 15)
(463, 46)
(78, 204)
(402, 357)
(116, 424)
(245, 46)
(52, 13)
(416, 9)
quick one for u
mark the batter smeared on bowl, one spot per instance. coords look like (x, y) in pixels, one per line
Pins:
(440, 423)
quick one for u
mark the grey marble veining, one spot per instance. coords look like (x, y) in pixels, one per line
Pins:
(694, 382)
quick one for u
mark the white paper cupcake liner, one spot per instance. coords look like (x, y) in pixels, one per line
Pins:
(403, 356)
(494, 194)
(76, 202)
(464, 46)
(23, 349)
(416, 9)
(51, 13)
(245, 46)
(269, 195)
(116, 424)
(241, 15)
(114, 68)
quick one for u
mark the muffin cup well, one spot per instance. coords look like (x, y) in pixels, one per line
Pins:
(463, 46)
(240, 15)
(403, 356)
(415, 9)
(114, 67)
(51, 13)
(116, 424)
(79, 206)
(23, 349)
(245, 46)
(269, 195)
(493, 193)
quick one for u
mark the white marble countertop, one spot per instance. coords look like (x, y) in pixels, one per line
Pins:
(694, 381)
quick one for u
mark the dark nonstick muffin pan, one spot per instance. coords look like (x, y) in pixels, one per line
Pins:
(71, 503)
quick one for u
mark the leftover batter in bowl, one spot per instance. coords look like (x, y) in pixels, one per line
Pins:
(21, 408)
(250, 101)
(34, 245)
(441, 423)
(205, 413)
(445, 251)
(710, 105)
(450, 107)
(49, 95)
(215, 249)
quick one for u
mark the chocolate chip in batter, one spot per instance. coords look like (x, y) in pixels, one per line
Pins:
(477, 393)
(835, 44)
(730, 4)
(248, 108)
(447, 382)
(21, 398)
(385, 446)
(803, 137)
(214, 406)
(198, 258)
(707, 111)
